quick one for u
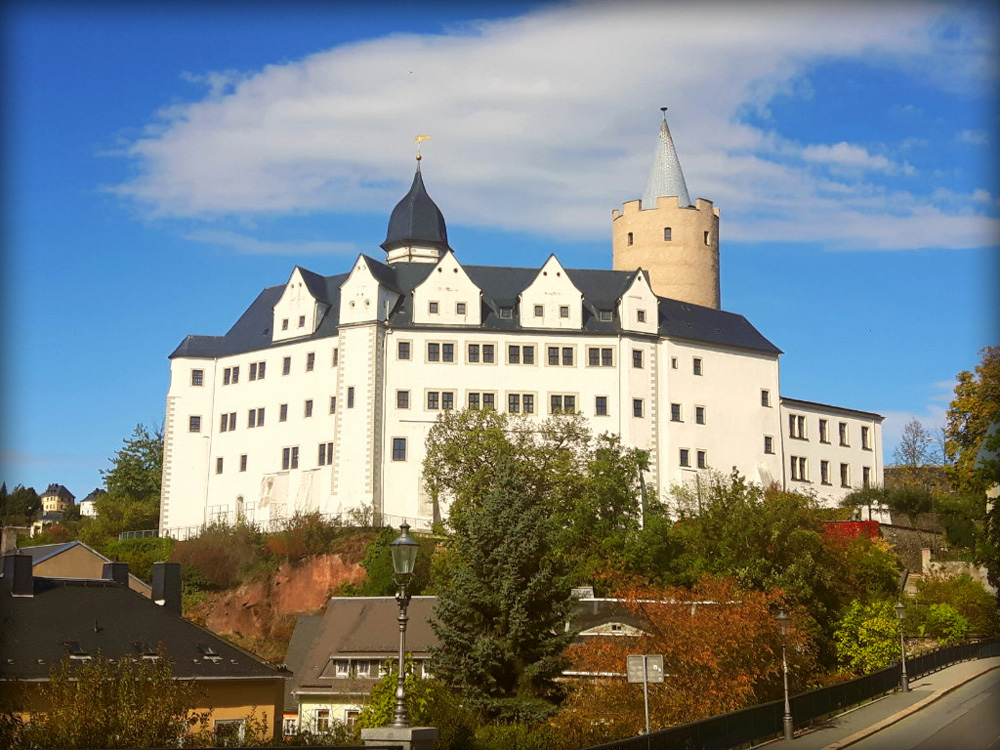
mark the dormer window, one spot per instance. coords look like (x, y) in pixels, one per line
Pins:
(507, 312)
(539, 311)
(563, 311)
(284, 324)
(640, 316)
(460, 308)
(208, 653)
(432, 308)
(605, 316)
(302, 321)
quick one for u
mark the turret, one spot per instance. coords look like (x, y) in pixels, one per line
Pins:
(417, 232)
(663, 233)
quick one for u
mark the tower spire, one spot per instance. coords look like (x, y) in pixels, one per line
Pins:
(666, 177)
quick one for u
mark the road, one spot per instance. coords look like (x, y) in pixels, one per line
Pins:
(967, 718)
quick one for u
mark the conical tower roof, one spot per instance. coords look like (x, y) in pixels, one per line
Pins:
(666, 177)
(416, 221)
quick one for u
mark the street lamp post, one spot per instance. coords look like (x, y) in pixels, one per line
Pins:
(904, 681)
(404, 557)
(786, 720)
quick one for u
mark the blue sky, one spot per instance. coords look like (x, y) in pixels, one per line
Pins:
(164, 162)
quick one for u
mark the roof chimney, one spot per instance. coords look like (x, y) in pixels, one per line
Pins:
(116, 571)
(167, 586)
(17, 574)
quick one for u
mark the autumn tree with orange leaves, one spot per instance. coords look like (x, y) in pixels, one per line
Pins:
(721, 648)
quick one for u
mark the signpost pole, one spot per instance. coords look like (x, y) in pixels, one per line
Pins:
(645, 693)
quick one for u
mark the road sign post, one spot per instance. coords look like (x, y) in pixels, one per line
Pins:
(645, 668)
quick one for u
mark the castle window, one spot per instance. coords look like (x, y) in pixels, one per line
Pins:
(333, 404)
(562, 404)
(637, 407)
(283, 413)
(255, 417)
(433, 352)
(699, 415)
(563, 311)
(765, 397)
(432, 308)
(402, 399)
(286, 366)
(433, 400)
(866, 476)
(325, 454)
(474, 399)
(824, 472)
(194, 424)
(601, 406)
(666, 234)
(675, 413)
(447, 352)
(257, 370)
(336, 356)
(310, 361)
(640, 316)
(685, 457)
(350, 397)
(460, 308)
(629, 239)
(488, 354)
(514, 403)
(798, 468)
(707, 239)
(473, 353)
(302, 321)
(403, 350)
(824, 431)
(399, 449)
(290, 458)
(844, 435)
(308, 411)
(447, 400)
(697, 366)
(539, 311)
(567, 356)
(865, 441)
(218, 465)
(284, 324)
(243, 462)
(673, 363)
(197, 377)
(845, 475)
(637, 358)
(702, 460)
(768, 444)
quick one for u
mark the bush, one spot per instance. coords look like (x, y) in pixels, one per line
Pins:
(977, 605)
(223, 556)
(945, 623)
(867, 637)
(303, 536)
(140, 554)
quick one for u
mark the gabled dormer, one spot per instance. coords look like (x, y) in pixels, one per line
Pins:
(552, 300)
(301, 306)
(366, 297)
(447, 296)
(638, 308)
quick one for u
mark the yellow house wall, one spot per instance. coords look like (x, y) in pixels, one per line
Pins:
(685, 268)
(79, 562)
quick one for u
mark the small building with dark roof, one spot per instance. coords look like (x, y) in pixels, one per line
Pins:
(44, 620)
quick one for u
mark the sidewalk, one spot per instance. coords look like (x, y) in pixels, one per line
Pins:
(853, 726)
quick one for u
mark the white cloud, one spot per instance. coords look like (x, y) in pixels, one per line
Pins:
(544, 122)
(246, 245)
(973, 137)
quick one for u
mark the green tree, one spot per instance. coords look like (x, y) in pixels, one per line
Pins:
(378, 564)
(97, 703)
(23, 505)
(501, 612)
(975, 407)
(867, 637)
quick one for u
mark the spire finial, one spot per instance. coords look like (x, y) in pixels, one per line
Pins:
(418, 140)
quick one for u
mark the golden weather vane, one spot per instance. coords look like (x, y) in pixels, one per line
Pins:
(418, 140)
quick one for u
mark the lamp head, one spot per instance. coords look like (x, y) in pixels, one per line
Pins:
(404, 553)
(783, 620)
(900, 610)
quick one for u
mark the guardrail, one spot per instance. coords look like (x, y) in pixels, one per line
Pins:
(272, 525)
(757, 723)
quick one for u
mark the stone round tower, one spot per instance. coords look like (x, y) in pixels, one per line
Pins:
(664, 234)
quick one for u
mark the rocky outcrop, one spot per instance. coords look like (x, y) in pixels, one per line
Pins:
(261, 615)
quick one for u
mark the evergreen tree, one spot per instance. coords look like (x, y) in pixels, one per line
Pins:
(501, 612)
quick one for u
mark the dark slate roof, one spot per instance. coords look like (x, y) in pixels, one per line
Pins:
(103, 616)
(793, 402)
(58, 489)
(306, 627)
(501, 287)
(94, 495)
(416, 220)
(363, 627)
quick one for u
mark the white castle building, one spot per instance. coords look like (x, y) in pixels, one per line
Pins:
(321, 395)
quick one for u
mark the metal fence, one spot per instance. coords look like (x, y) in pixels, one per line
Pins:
(272, 525)
(757, 723)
